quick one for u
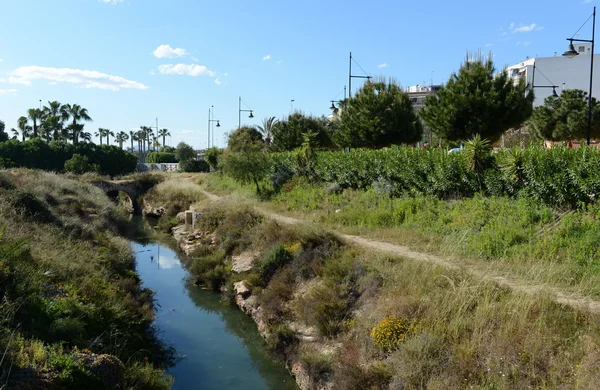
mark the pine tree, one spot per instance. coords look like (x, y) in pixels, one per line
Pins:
(380, 114)
(565, 118)
(476, 101)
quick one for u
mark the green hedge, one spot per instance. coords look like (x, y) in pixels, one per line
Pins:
(52, 156)
(559, 177)
(160, 158)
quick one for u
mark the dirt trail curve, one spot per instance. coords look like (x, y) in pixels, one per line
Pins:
(573, 300)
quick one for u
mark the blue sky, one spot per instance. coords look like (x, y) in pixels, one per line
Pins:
(130, 61)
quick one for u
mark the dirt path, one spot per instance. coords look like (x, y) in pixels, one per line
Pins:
(573, 300)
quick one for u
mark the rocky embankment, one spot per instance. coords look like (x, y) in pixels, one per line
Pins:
(190, 239)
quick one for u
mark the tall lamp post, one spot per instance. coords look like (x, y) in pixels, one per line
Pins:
(240, 113)
(210, 121)
(543, 86)
(570, 53)
(351, 76)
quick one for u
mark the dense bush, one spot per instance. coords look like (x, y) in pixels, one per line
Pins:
(194, 166)
(559, 177)
(160, 158)
(212, 156)
(51, 156)
(80, 164)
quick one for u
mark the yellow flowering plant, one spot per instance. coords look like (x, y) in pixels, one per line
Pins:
(391, 332)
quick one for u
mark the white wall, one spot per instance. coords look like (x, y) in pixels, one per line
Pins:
(573, 72)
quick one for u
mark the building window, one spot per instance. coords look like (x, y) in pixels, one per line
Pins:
(582, 49)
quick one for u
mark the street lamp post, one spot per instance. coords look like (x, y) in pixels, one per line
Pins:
(210, 121)
(570, 53)
(240, 113)
(351, 76)
(542, 86)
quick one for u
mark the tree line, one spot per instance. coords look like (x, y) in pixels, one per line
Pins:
(476, 100)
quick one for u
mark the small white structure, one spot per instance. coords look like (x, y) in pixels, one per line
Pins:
(563, 72)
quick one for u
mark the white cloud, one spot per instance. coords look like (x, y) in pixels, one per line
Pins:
(267, 57)
(166, 51)
(8, 92)
(524, 29)
(185, 69)
(187, 131)
(381, 66)
(52, 83)
(225, 74)
(218, 81)
(111, 1)
(489, 44)
(279, 62)
(84, 78)
(587, 1)
(1, 60)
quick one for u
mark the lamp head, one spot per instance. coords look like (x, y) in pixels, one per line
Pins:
(554, 92)
(218, 124)
(571, 52)
(251, 115)
(332, 106)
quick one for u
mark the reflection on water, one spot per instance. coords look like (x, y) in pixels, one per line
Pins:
(220, 345)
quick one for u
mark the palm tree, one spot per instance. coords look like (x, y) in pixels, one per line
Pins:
(99, 134)
(155, 143)
(85, 136)
(15, 133)
(149, 135)
(142, 138)
(23, 126)
(131, 139)
(54, 118)
(138, 137)
(163, 133)
(76, 113)
(267, 128)
(104, 133)
(54, 125)
(34, 114)
(121, 137)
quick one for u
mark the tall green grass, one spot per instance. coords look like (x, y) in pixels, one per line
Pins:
(69, 289)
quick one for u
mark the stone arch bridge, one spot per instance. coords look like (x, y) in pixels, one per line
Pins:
(130, 187)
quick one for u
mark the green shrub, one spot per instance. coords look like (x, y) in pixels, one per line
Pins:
(282, 342)
(326, 307)
(212, 156)
(272, 261)
(559, 177)
(210, 269)
(319, 367)
(80, 164)
(194, 166)
(160, 157)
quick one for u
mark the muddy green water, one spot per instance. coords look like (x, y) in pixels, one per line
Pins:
(219, 345)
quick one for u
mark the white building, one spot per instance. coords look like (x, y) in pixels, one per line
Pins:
(563, 72)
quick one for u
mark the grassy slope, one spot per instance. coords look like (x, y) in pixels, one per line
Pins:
(514, 237)
(462, 332)
(71, 286)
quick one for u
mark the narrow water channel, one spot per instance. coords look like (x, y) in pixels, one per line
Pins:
(219, 344)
